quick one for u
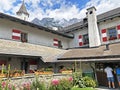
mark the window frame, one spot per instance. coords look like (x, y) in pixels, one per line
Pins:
(114, 37)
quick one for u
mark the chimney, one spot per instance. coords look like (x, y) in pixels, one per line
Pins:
(93, 32)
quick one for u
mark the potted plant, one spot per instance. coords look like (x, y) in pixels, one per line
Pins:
(17, 73)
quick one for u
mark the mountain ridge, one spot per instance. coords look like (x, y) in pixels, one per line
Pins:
(54, 24)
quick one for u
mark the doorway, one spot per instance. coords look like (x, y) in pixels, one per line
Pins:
(24, 66)
(101, 75)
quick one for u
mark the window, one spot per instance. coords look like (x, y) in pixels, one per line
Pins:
(112, 34)
(91, 12)
(24, 37)
(59, 44)
(85, 39)
(85, 20)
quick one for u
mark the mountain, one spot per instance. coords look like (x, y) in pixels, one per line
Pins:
(54, 24)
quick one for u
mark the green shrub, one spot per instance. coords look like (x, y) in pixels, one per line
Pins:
(38, 85)
(89, 82)
(82, 82)
(66, 84)
(78, 80)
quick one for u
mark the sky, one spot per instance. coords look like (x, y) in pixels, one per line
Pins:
(57, 9)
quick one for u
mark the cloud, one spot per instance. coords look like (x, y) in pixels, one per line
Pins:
(57, 9)
(68, 10)
(64, 12)
(6, 5)
(103, 5)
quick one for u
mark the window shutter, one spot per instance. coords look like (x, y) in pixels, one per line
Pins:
(80, 40)
(104, 35)
(118, 30)
(55, 42)
(16, 34)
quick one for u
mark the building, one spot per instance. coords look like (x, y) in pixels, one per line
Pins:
(89, 44)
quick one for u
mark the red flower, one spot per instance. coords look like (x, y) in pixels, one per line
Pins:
(10, 87)
(55, 82)
(3, 84)
(70, 79)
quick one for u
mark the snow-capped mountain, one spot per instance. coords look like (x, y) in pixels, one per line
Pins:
(54, 24)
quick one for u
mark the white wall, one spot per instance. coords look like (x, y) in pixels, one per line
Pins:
(109, 24)
(23, 16)
(75, 42)
(35, 36)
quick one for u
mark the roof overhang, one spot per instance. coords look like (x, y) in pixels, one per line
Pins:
(19, 49)
(109, 59)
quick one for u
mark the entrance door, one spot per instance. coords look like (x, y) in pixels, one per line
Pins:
(101, 75)
(26, 67)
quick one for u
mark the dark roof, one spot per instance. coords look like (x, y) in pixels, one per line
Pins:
(14, 19)
(74, 27)
(109, 15)
(23, 9)
(102, 17)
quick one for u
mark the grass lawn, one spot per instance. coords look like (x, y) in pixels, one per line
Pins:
(88, 88)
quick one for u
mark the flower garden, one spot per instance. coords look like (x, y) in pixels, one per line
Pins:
(72, 82)
(42, 81)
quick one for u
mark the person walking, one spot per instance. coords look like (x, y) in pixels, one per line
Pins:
(110, 77)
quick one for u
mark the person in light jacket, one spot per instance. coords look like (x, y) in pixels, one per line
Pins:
(110, 77)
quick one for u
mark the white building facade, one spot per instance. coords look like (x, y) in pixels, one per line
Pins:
(27, 46)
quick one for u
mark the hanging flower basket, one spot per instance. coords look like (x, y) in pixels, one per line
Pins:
(43, 72)
(66, 71)
(17, 73)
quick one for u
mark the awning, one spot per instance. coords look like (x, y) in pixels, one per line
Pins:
(8, 47)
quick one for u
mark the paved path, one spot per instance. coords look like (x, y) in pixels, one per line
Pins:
(105, 88)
